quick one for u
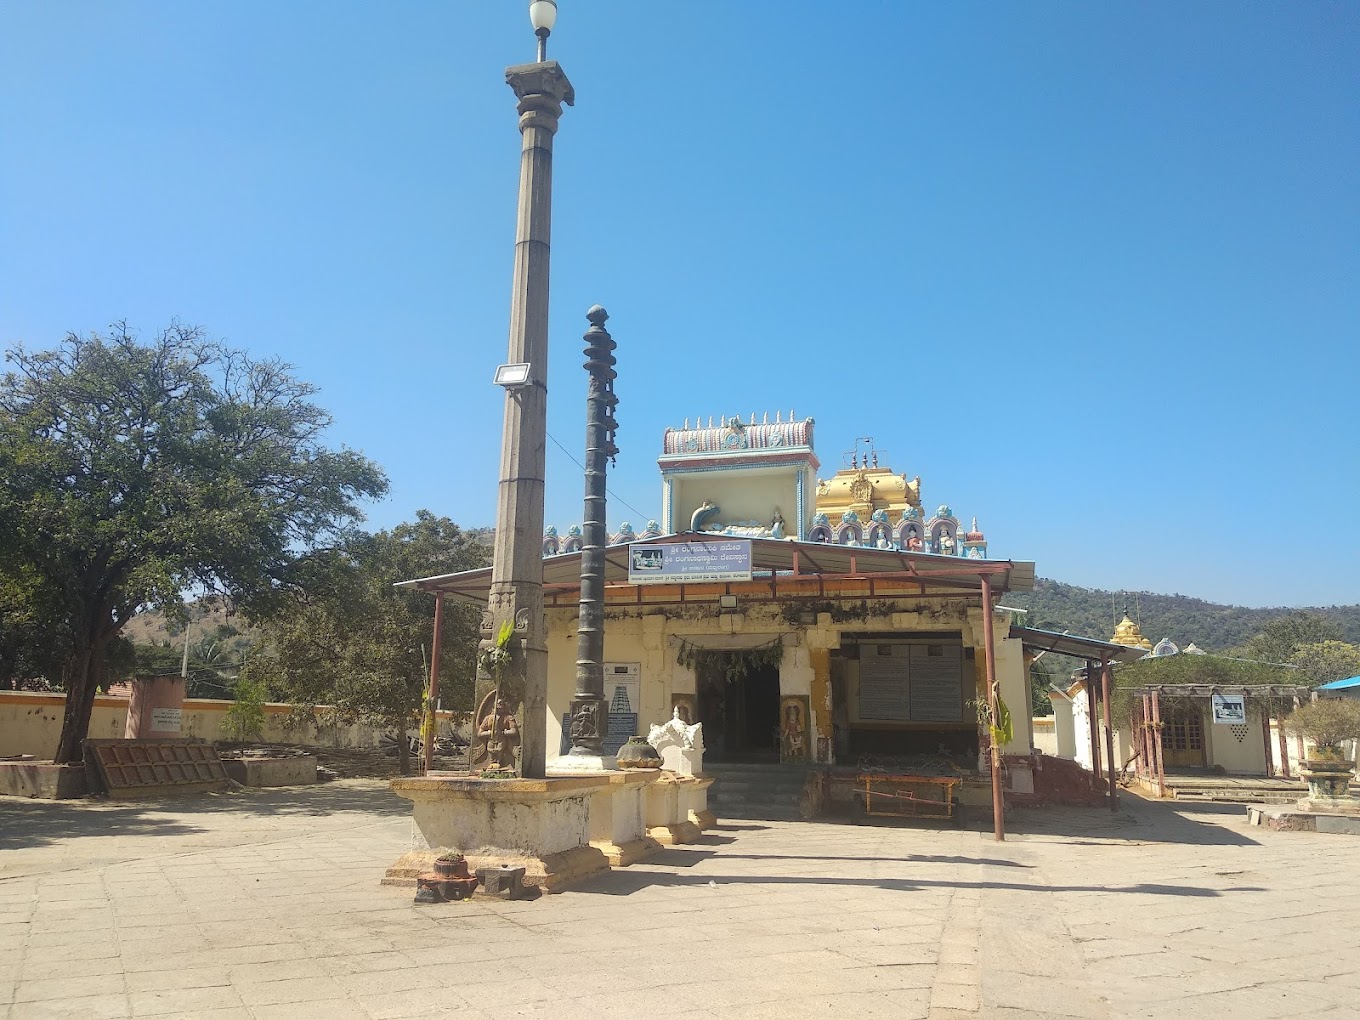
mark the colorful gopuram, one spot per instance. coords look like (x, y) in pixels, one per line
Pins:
(755, 479)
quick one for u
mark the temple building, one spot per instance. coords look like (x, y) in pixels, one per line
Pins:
(800, 620)
(749, 479)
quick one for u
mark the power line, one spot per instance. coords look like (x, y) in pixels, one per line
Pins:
(615, 495)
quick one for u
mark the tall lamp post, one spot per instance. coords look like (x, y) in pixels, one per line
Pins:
(516, 596)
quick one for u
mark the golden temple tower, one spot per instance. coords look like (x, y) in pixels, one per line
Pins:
(1127, 633)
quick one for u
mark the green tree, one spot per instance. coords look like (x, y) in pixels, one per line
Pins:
(354, 641)
(1279, 639)
(136, 471)
(1326, 661)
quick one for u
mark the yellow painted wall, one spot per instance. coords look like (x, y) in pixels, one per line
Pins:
(30, 723)
(651, 635)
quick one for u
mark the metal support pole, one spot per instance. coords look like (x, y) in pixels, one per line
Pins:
(1265, 734)
(1091, 719)
(589, 709)
(431, 727)
(1157, 742)
(1148, 765)
(1298, 737)
(989, 653)
(1109, 730)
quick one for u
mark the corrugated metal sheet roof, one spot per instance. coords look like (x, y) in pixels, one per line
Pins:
(1075, 646)
(774, 557)
(1341, 685)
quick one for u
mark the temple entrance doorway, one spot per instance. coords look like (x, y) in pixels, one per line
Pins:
(1183, 738)
(741, 718)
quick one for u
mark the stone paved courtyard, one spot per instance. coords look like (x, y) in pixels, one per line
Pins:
(267, 904)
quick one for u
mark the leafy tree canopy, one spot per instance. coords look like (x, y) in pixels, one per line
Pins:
(1326, 661)
(354, 641)
(136, 471)
(1279, 639)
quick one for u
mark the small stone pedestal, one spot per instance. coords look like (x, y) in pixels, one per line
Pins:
(618, 818)
(668, 810)
(541, 825)
(699, 813)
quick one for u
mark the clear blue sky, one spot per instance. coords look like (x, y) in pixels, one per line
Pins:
(1090, 269)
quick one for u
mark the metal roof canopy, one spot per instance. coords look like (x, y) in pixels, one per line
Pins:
(770, 558)
(1077, 647)
(1341, 685)
(1207, 690)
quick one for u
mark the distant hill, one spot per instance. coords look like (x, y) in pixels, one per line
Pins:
(208, 618)
(1091, 612)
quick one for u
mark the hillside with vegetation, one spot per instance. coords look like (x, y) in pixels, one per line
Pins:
(1091, 612)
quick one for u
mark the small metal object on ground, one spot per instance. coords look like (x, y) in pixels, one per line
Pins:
(502, 879)
(449, 881)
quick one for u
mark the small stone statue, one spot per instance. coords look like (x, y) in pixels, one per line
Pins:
(777, 524)
(498, 734)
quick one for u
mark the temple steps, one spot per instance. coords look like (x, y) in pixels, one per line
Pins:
(767, 792)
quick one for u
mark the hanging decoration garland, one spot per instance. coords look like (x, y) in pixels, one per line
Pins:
(733, 663)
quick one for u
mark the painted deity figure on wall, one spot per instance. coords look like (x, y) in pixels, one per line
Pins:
(793, 730)
(777, 524)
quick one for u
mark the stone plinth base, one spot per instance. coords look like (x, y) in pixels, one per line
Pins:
(1330, 806)
(618, 822)
(669, 801)
(1295, 820)
(541, 825)
(694, 799)
(550, 872)
(675, 832)
(620, 855)
(289, 770)
(579, 764)
(42, 780)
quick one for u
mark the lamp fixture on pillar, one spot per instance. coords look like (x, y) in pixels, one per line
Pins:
(543, 15)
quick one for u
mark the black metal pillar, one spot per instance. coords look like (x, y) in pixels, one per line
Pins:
(589, 710)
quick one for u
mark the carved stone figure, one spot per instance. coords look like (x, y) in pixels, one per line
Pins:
(681, 746)
(793, 732)
(585, 725)
(701, 517)
(777, 524)
(498, 735)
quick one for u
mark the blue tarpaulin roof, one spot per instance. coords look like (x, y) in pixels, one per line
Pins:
(1341, 685)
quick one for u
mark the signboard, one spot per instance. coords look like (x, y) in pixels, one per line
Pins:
(690, 562)
(1229, 709)
(166, 720)
(622, 693)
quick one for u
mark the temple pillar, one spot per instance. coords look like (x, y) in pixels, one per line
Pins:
(822, 750)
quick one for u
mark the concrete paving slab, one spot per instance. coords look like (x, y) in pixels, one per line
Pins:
(267, 904)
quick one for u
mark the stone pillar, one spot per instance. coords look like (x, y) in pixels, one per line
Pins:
(822, 749)
(517, 564)
(156, 708)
